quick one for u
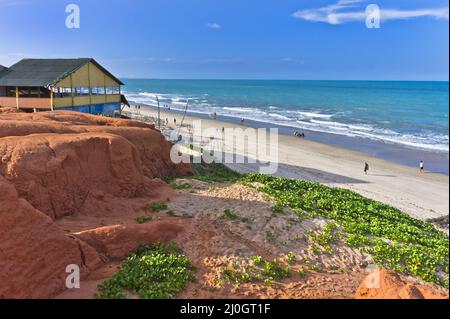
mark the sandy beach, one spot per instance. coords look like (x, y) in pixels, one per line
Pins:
(424, 196)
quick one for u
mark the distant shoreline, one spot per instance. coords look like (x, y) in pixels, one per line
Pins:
(435, 161)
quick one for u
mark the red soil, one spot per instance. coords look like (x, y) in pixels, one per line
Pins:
(385, 284)
(55, 165)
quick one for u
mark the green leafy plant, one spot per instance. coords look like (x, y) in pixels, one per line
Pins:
(143, 219)
(175, 185)
(157, 271)
(259, 270)
(157, 207)
(171, 213)
(291, 257)
(394, 239)
(277, 209)
(230, 214)
(328, 236)
(272, 269)
(301, 272)
(270, 235)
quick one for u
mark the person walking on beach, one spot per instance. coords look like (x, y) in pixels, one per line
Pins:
(366, 168)
(422, 167)
(242, 121)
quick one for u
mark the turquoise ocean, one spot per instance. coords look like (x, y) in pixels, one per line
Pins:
(403, 121)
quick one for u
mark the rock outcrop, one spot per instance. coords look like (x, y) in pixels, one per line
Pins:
(117, 241)
(385, 284)
(34, 252)
(62, 162)
(56, 165)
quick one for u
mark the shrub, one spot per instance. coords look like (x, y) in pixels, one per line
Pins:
(157, 207)
(156, 271)
(143, 219)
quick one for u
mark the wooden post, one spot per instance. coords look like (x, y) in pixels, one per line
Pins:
(71, 90)
(104, 87)
(89, 82)
(51, 97)
(17, 97)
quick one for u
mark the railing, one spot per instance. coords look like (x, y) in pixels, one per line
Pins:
(26, 102)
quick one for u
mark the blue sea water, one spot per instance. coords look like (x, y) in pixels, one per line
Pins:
(406, 113)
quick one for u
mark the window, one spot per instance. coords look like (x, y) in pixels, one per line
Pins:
(113, 90)
(62, 92)
(98, 90)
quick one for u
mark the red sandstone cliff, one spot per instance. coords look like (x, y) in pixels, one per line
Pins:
(58, 164)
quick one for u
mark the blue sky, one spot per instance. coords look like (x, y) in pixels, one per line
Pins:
(235, 39)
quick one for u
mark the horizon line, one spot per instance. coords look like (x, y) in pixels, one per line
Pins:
(269, 79)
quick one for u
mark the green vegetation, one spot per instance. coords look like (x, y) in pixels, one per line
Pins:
(175, 185)
(171, 213)
(291, 257)
(157, 207)
(301, 272)
(155, 271)
(270, 235)
(143, 219)
(214, 172)
(394, 239)
(230, 214)
(277, 209)
(328, 235)
(258, 270)
(233, 216)
(275, 271)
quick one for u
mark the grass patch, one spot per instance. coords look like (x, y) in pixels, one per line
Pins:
(233, 216)
(291, 257)
(171, 213)
(394, 239)
(301, 272)
(328, 236)
(214, 172)
(157, 271)
(271, 236)
(143, 219)
(184, 186)
(157, 207)
(277, 209)
(230, 214)
(256, 270)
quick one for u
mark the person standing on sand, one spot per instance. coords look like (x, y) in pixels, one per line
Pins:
(366, 168)
(422, 167)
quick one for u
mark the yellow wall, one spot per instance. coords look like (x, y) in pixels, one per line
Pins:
(86, 100)
(88, 75)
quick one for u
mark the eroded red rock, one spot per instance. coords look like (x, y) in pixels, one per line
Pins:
(56, 165)
(385, 284)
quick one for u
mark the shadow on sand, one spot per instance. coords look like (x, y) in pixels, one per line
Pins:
(297, 172)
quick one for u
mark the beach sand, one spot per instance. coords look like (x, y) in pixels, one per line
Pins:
(423, 196)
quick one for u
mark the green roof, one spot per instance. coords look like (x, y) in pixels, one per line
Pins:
(44, 72)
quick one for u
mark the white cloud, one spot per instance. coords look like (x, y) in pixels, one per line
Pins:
(212, 25)
(352, 10)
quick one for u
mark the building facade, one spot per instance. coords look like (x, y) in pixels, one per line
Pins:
(60, 84)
